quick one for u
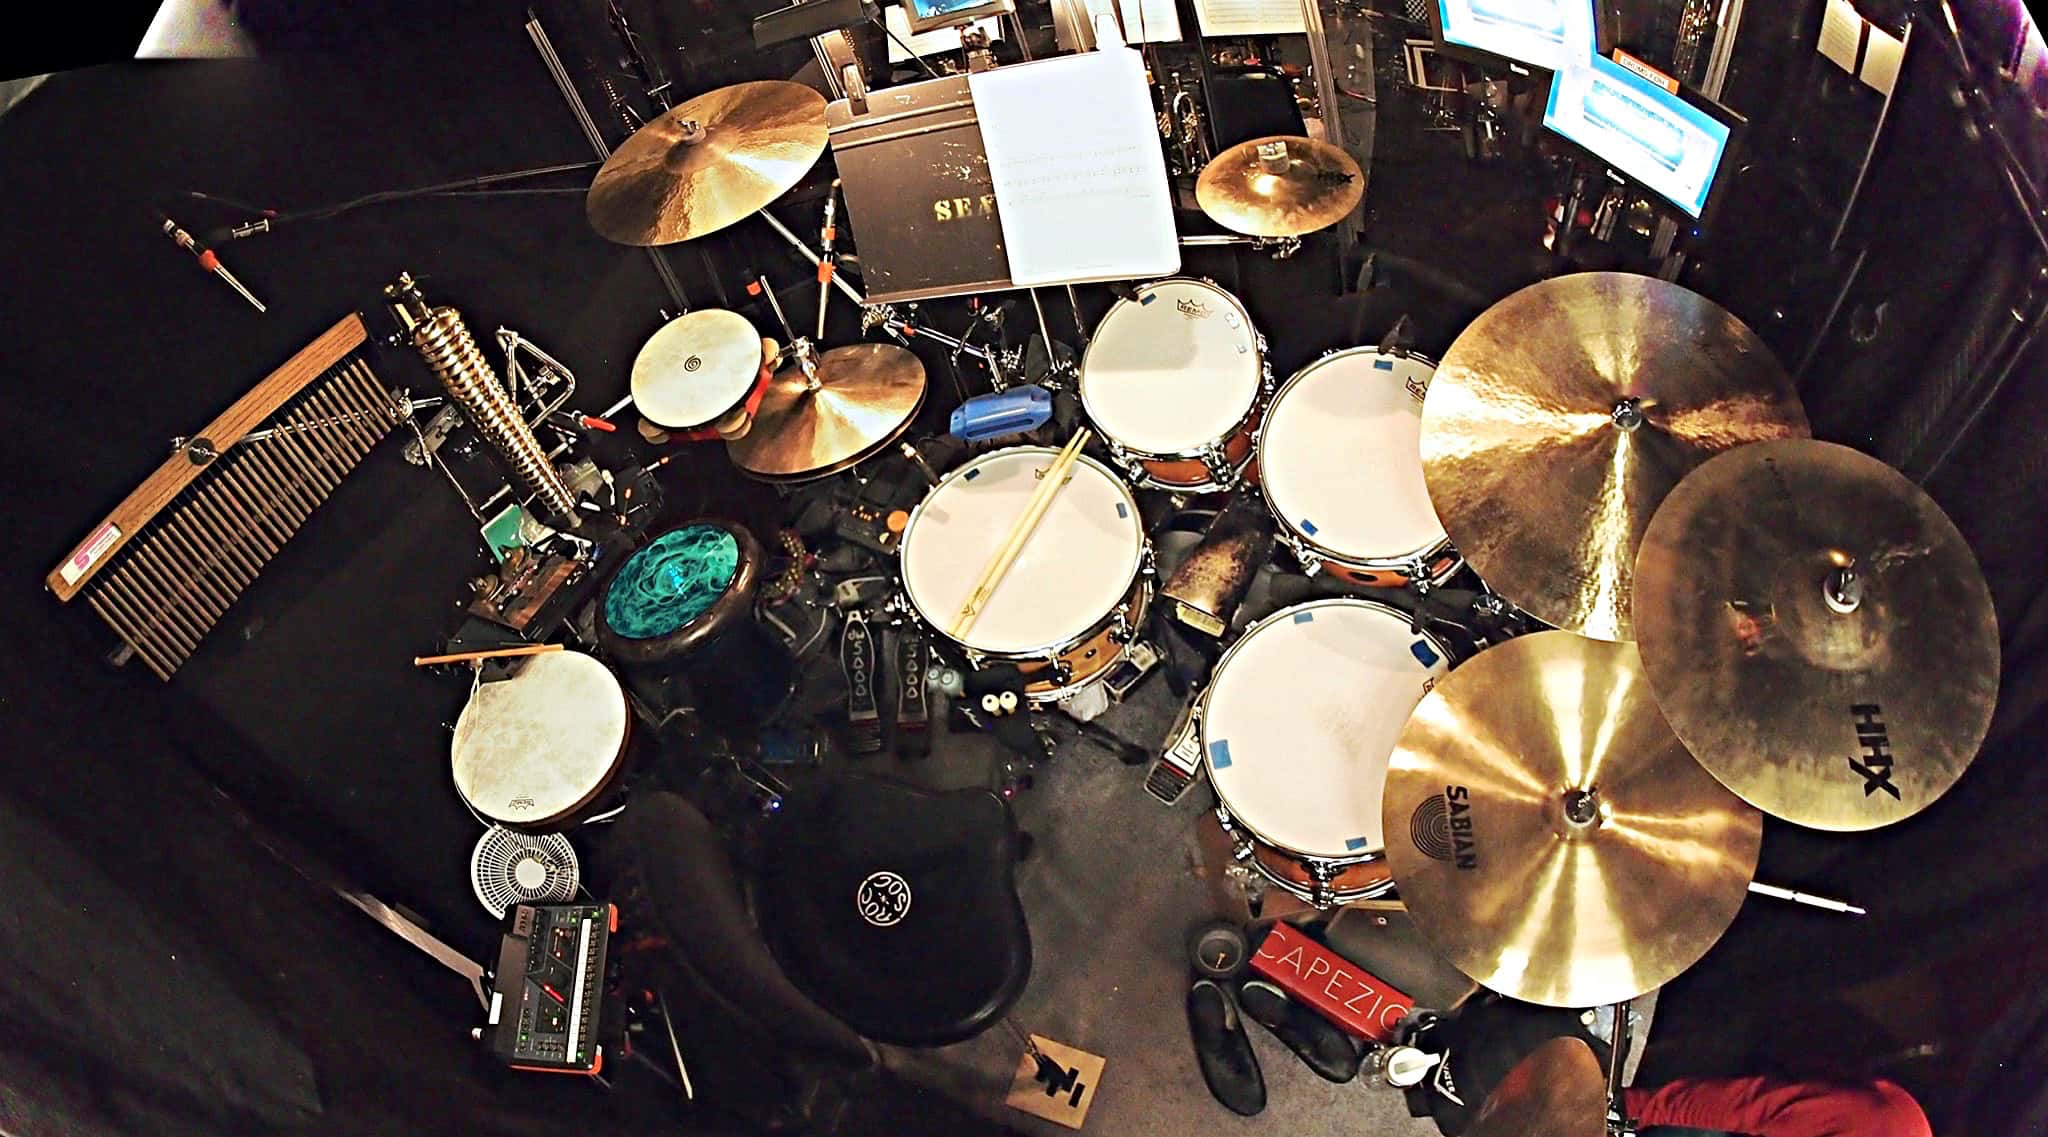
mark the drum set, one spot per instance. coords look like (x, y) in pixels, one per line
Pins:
(1742, 618)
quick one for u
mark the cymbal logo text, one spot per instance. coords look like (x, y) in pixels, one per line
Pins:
(1876, 766)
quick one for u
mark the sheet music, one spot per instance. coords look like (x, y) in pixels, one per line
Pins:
(1841, 34)
(1144, 21)
(1078, 173)
(1882, 54)
(1251, 17)
(929, 43)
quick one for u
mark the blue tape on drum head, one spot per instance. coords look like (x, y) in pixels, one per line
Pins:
(1353, 844)
(1123, 512)
(970, 475)
(1383, 364)
(1219, 755)
(1423, 653)
(1304, 617)
(1308, 527)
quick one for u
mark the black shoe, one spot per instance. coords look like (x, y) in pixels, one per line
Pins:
(1224, 1051)
(1314, 1039)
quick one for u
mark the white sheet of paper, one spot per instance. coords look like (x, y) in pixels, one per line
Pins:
(1251, 17)
(1841, 34)
(1078, 172)
(1881, 59)
(927, 43)
(1149, 21)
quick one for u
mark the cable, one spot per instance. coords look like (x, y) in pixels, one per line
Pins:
(884, 25)
(463, 186)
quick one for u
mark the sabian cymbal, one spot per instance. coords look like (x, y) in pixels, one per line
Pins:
(1818, 632)
(1557, 1091)
(1280, 187)
(696, 368)
(699, 167)
(1561, 417)
(1551, 836)
(861, 398)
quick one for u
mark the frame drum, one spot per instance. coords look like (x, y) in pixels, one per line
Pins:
(535, 751)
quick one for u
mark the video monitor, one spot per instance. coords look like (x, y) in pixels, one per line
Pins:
(1673, 144)
(930, 15)
(1549, 34)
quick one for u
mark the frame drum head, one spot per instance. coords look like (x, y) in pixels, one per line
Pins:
(1173, 371)
(1340, 456)
(533, 748)
(1302, 717)
(697, 367)
(1074, 571)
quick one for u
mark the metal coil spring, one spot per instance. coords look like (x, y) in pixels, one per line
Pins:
(445, 343)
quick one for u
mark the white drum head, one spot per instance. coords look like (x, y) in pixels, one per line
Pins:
(696, 368)
(535, 746)
(1076, 568)
(1340, 456)
(1302, 716)
(1174, 370)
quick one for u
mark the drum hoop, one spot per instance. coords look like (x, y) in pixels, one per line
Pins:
(603, 782)
(1391, 563)
(1260, 367)
(1216, 673)
(1056, 648)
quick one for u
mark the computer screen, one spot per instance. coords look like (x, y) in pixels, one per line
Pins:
(1541, 33)
(926, 15)
(1661, 140)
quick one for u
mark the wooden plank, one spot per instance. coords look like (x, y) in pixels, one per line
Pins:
(178, 472)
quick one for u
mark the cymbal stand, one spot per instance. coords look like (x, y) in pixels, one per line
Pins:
(1279, 248)
(1617, 1060)
(800, 348)
(884, 315)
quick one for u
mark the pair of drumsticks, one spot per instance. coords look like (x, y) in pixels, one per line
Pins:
(1020, 532)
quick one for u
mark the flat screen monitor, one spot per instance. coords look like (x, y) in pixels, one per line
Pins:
(1549, 34)
(1674, 145)
(930, 15)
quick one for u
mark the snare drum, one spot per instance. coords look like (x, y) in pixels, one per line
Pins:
(1174, 381)
(1297, 727)
(1340, 462)
(1073, 599)
(537, 751)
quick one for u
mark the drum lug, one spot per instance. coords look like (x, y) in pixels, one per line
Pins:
(1311, 562)
(1266, 383)
(1131, 467)
(1320, 875)
(1220, 470)
(1119, 628)
(1148, 563)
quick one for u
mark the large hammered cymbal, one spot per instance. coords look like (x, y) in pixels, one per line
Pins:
(1559, 1090)
(1561, 417)
(701, 166)
(1280, 187)
(861, 398)
(1818, 632)
(1550, 834)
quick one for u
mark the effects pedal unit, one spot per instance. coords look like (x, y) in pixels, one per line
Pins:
(548, 992)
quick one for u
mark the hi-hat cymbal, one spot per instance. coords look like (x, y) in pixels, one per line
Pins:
(696, 367)
(1550, 834)
(861, 398)
(1280, 187)
(1557, 1091)
(1818, 632)
(701, 166)
(1561, 417)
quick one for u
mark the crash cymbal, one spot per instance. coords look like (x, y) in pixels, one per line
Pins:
(696, 368)
(1557, 1091)
(706, 164)
(1561, 417)
(1549, 833)
(860, 399)
(1818, 632)
(1280, 187)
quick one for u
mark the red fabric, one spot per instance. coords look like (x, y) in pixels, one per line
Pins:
(1768, 1107)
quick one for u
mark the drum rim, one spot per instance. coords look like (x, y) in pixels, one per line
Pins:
(633, 379)
(560, 819)
(1261, 371)
(1056, 647)
(1216, 672)
(1232, 828)
(1395, 563)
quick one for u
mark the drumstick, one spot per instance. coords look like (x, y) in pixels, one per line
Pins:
(1020, 532)
(494, 653)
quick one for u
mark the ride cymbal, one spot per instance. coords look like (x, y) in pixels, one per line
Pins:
(1557, 1091)
(701, 166)
(1280, 187)
(696, 367)
(1818, 632)
(860, 399)
(1560, 418)
(1549, 833)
